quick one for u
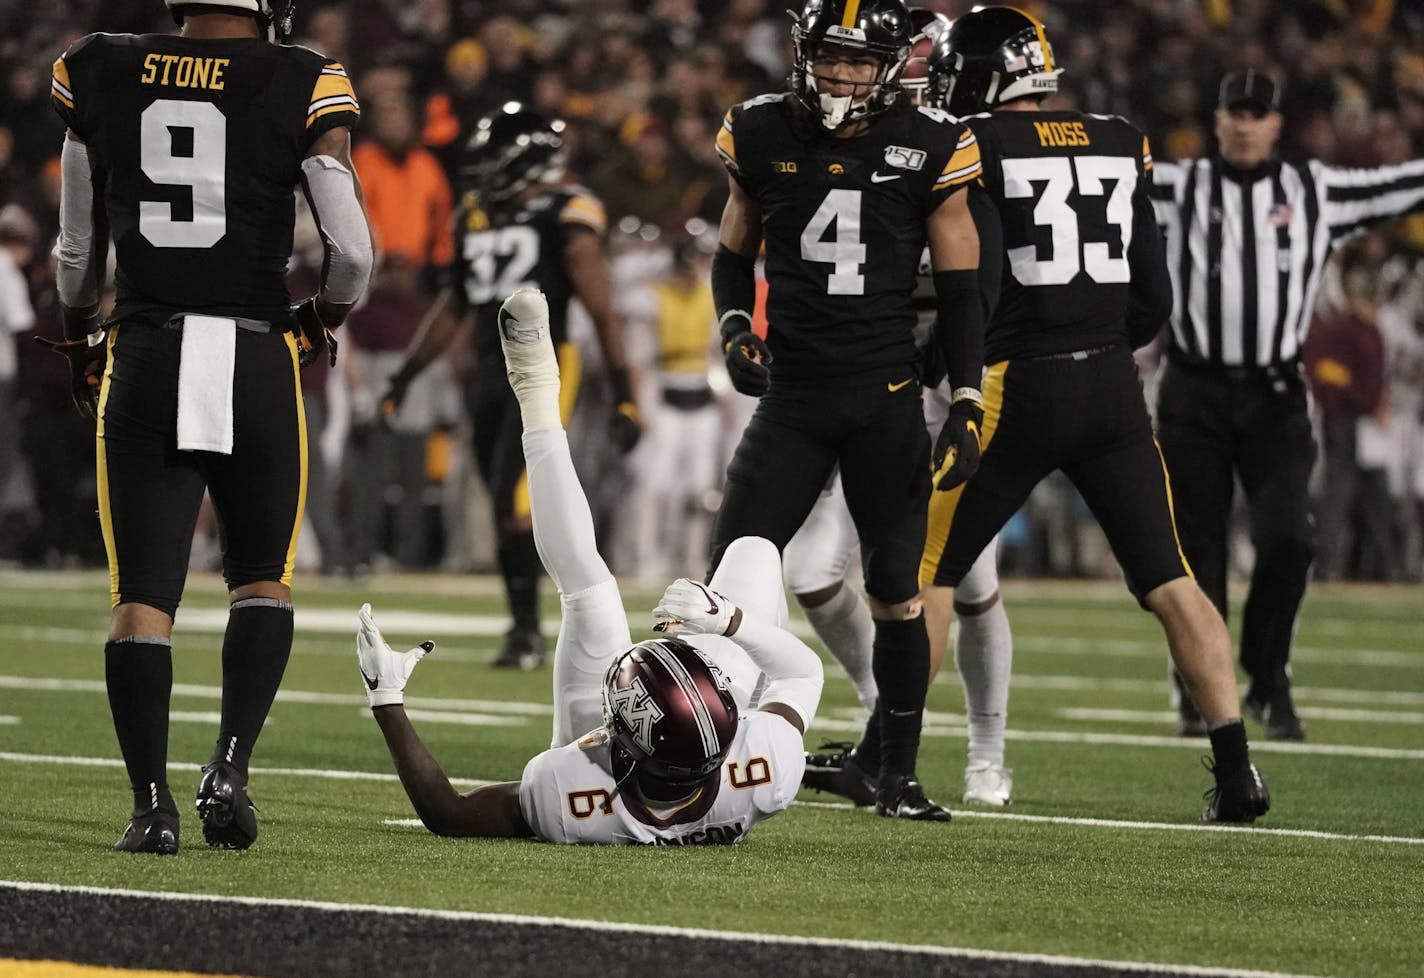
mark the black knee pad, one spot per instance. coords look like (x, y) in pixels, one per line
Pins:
(892, 572)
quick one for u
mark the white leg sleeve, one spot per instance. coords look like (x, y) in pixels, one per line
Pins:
(563, 525)
(845, 628)
(592, 632)
(984, 653)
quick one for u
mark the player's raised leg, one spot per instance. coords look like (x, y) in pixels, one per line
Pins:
(594, 626)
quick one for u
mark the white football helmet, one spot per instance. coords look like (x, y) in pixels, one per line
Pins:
(274, 17)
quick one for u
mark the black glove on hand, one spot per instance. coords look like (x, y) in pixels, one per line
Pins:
(313, 335)
(625, 428)
(747, 362)
(396, 389)
(956, 451)
(86, 370)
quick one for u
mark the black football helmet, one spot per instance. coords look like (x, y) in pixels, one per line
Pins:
(670, 718)
(510, 149)
(881, 27)
(274, 16)
(990, 56)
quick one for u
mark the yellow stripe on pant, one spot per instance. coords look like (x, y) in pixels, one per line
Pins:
(943, 504)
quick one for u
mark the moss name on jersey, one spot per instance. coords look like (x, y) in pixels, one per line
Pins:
(843, 221)
(498, 252)
(196, 148)
(1064, 184)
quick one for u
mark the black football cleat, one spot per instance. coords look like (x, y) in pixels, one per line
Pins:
(837, 772)
(523, 649)
(1238, 797)
(1276, 713)
(154, 831)
(229, 818)
(901, 796)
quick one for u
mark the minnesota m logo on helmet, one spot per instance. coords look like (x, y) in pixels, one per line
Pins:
(634, 706)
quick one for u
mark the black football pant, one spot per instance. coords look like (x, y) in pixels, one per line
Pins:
(150, 492)
(793, 442)
(1215, 424)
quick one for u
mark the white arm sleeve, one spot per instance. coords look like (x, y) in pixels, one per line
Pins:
(344, 233)
(80, 267)
(793, 672)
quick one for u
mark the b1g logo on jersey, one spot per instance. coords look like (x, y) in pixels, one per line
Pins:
(638, 711)
(904, 157)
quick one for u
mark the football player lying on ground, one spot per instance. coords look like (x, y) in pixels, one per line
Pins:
(657, 743)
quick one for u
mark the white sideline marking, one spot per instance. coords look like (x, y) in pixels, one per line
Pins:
(464, 719)
(1157, 649)
(1309, 712)
(1326, 694)
(821, 723)
(661, 930)
(1406, 840)
(11, 721)
(336, 775)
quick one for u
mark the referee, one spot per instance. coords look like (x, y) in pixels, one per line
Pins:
(1247, 238)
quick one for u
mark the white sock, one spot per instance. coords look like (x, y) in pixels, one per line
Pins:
(538, 400)
(844, 626)
(984, 653)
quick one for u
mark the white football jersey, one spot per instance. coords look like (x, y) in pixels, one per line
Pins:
(568, 794)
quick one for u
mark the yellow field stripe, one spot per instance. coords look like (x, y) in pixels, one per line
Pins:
(65, 969)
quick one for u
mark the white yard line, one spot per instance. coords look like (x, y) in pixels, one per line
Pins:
(1159, 717)
(338, 775)
(733, 938)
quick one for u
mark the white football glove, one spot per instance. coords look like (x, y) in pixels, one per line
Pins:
(690, 608)
(383, 668)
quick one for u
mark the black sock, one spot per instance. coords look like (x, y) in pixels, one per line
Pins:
(867, 752)
(138, 671)
(1228, 746)
(519, 563)
(901, 664)
(254, 656)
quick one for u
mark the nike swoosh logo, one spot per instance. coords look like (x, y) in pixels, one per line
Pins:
(883, 177)
(892, 388)
(370, 683)
(711, 605)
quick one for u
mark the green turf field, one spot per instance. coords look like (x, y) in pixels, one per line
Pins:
(1061, 872)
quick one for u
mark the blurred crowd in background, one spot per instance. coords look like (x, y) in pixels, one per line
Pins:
(643, 85)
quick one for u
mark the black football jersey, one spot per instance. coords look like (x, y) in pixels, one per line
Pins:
(499, 252)
(1070, 189)
(843, 222)
(197, 147)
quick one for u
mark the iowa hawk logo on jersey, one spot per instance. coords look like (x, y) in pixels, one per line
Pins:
(843, 221)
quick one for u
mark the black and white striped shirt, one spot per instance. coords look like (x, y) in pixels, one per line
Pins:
(1246, 248)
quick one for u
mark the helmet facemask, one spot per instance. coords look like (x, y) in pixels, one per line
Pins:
(880, 31)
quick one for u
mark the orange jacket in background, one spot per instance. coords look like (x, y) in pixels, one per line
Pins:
(409, 204)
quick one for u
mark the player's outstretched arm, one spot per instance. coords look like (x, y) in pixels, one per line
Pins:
(491, 811)
(794, 673)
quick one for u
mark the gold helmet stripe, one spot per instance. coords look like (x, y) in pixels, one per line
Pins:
(851, 10)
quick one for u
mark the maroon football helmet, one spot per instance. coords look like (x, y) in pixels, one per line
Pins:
(669, 714)
(925, 26)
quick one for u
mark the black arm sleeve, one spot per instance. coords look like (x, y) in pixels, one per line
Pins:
(959, 326)
(1149, 303)
(733, 291)
(991, 248)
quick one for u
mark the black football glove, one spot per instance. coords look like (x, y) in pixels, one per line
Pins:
(956, 451)
(86, 369)
(747, 362)
(313, 335)
(396, 389)
(625, 428)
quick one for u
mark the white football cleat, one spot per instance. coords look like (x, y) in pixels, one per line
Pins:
(987, 783)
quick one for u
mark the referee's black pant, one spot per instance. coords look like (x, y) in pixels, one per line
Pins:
(1215, 423)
